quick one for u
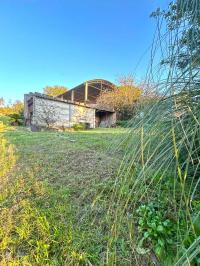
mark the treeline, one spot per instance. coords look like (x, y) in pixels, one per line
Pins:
(11, 114)
(127, 96)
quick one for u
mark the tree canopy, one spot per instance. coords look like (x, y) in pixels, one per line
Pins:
(122, 98)
(54, 90)
(185, 26)
(11, 114)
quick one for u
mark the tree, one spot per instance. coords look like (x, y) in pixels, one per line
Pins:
(17, 112)
(2, 102)
(185, 26)
(150, 95)
(182, 19)
(122, 98)
(13, 111)
(54, 90)
(17, 107)
(47, 114)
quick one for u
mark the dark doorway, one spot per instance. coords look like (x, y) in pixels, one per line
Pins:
(104, 118)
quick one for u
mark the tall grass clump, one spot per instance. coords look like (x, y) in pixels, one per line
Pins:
(154, 209)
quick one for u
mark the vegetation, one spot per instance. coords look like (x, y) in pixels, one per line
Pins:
(154, 229)
(47, 114)
(81, 126)
(121, 123)
(182, 14)
(114, 196)
(11, 114)
(122, 98)
(44, 216)
(156, 192)
(54, 90)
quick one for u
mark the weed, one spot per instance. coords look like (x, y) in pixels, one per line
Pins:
(155, 229)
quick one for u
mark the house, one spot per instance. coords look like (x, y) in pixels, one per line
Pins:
(78, 105)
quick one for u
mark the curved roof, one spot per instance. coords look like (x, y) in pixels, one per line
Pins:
(93, 87)
(96, 81)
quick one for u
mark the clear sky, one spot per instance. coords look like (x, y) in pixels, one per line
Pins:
(65, 42)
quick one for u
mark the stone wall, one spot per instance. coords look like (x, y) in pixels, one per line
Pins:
(54, 113)
(27, 109)
(41, 110)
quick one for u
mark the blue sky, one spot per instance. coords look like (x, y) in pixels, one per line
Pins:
(65, 42)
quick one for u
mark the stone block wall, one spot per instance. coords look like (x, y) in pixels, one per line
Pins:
(55, 113)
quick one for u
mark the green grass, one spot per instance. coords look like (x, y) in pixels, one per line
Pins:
(62, 158)
(48, 197)
(96, 197)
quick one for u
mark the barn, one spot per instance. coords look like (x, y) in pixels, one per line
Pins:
(78, 105)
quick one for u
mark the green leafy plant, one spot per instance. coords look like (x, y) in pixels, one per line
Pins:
(156, 231)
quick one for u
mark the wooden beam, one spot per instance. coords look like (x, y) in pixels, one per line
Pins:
(72, 95)
(86, 91)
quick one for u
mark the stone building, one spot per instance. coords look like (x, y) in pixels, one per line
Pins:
(77, 105)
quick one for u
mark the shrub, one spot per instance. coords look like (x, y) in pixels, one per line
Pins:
(17, 119)
(123, 98)
(81, 126)
(6, 120)
(12, 115)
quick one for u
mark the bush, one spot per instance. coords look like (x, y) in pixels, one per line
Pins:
(6, 120)
(81, 126)
(17, 119)
(12, 115)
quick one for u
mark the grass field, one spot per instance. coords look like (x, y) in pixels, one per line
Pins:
(48, 196)
(64, 158)
(93, 198)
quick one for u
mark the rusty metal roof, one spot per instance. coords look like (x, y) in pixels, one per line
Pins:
(95, 86)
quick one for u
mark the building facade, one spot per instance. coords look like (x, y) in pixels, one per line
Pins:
(41, 110)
